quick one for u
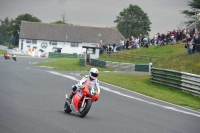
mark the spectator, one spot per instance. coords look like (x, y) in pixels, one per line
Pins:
(181, 34)
(168, 38)
(104, 48)
(145, 41)
(155, 39)
(109, 50)
(114, 45)
(189, 44)
(196, 45)
(184, 33)
(121, 45)
(127, 43)
(101, 48)
(149, 40)
(174, 33)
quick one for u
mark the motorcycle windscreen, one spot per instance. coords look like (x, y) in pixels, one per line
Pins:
(93, 90)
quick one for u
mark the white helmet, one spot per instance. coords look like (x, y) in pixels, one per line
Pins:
(93, 73)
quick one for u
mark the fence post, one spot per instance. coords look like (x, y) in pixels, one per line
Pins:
(150, 66)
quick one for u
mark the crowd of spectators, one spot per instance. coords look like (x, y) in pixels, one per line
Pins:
(192, 42)
(190, 37)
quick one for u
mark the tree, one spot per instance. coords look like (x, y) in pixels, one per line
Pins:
(10, 28)
(59, 22)
(6, 32)
(17, 23)
(133, 22)
(6, 27)
(191, 14)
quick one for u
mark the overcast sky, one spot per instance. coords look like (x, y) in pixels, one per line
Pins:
(164, 14)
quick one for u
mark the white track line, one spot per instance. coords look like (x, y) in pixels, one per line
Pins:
(132, 97)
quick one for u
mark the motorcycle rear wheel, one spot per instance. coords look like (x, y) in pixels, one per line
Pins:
(67, 108)
(86, 109)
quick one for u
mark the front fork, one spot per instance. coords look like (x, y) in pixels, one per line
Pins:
(82, 105)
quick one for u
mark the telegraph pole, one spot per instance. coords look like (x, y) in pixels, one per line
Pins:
(63, 17)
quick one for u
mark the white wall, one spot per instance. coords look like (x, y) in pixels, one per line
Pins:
(66, 47)
(96, 55)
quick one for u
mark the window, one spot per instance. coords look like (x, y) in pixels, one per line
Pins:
(34, 41)
(53, 43)
(91, 50)
(28, 41)
(31, 41)
(74, 44)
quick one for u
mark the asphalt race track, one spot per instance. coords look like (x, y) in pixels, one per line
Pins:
(32, 100)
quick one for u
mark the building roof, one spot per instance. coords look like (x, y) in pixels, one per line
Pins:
(69, 33)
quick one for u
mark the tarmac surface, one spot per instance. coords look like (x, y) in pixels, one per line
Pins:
(32, 100)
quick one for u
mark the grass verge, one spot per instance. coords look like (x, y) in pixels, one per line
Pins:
(137, 83)
(2, 51)
(143, 85)
(181, 62)
(68, 64)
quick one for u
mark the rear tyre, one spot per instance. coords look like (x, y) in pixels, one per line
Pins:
(86, 109)
(67, 108)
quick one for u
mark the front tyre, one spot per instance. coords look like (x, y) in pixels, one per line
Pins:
(67, 108)
(88, 104)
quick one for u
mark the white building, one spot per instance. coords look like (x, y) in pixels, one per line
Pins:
(36, 37)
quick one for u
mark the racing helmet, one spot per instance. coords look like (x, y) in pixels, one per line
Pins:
(93, 73)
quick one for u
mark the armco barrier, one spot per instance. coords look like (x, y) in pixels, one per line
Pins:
(61, 55)
(143, 68)
(82, 62)
(179, 80)
(99, 63)
(120, 66)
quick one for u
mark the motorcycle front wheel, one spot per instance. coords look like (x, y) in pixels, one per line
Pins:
(86, 108)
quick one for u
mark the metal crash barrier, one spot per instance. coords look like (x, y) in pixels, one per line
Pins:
(180, 80)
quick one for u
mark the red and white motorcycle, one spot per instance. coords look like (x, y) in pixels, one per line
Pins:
(81, 101)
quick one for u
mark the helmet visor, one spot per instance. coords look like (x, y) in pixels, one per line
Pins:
(94, 74)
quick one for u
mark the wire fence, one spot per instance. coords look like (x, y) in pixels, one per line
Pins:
(8, 41)
(130, 57)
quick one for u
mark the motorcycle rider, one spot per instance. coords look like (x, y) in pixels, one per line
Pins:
(14, 57)
(90, 79)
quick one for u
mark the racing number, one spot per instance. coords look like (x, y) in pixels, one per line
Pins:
(93, 91)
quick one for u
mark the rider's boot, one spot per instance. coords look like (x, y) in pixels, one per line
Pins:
(73, 92)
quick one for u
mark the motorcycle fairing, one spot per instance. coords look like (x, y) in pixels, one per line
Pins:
(76, 100)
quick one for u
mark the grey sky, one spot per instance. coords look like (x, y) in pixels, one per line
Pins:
(164, 14)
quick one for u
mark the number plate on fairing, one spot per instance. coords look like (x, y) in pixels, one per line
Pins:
(93, 90)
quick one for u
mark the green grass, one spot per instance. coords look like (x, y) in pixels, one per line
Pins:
(159, 51)
(137, 83)
(104, 57)
(152, 51)
(1, 51)
(68, 64)
(142, 84)
(173, 57)
(180, 62)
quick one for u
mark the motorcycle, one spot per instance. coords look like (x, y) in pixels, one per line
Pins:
(14, 58)
(82, 101)
(6, 56)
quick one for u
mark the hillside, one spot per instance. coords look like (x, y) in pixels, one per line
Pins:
(173, 57)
